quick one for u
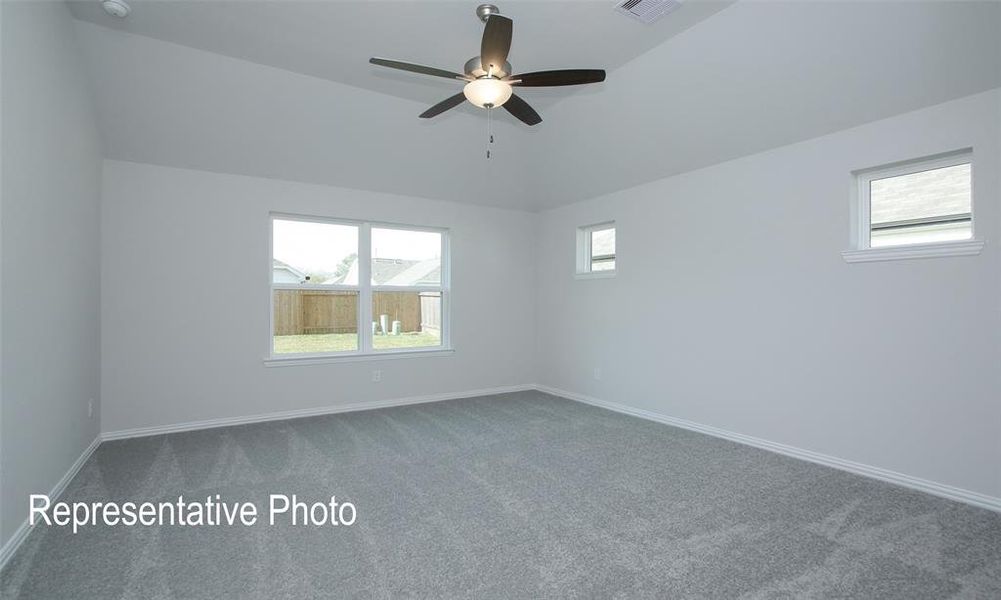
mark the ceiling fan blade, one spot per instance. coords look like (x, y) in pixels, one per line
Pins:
(496, 42)
(559, 77)
(520, 109)
(405, 66)
(444, 105)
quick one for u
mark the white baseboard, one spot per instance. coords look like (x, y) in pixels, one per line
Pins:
(916, 483)
(307, 412)
(22, 532)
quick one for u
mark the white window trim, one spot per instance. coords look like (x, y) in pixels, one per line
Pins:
(583, 263)
(365, 289)
(861, 213)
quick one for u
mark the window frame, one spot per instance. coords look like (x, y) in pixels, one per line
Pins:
(861, 234)
(365, 289)
(584, 262)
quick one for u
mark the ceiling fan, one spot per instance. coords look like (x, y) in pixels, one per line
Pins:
(489, 78)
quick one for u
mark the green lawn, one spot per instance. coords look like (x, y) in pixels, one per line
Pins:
(340, 342)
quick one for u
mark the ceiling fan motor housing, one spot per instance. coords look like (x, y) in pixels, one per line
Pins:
(473, 68)
(484, 11)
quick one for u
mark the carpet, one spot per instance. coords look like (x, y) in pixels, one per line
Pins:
(520, 495)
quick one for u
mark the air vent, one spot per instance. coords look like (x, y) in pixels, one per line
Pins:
(647, 11)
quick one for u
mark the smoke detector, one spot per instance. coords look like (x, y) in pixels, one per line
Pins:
(116, 8)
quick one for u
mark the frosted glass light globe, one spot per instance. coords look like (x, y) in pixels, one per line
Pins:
(487, 91)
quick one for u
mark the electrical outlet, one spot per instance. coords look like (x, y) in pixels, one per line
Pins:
(597, 374)
(376, 376)
(90, 408)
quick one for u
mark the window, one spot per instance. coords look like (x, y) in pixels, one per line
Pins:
(916, 209)
(341, 288)
(596, 250)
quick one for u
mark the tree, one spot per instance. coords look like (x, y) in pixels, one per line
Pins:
(345, 266)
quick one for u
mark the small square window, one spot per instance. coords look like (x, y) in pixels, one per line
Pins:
(596, 249)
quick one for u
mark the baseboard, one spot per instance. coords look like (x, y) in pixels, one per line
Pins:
(307, 412)
(22, 532)
(916, 483)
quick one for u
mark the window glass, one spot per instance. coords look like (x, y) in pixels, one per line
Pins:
(603, 249)
(314, 253)
(406, 319)
(402, 257)
(929, 206)
(308, 321)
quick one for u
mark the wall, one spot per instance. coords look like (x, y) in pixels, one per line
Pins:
(733, 307)
(50, 256)
(158, 223)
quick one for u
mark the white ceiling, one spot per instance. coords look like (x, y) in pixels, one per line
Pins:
(283, 88)
(334, 39)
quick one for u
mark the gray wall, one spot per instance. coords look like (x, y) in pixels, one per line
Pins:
(50, 256)
(186, 298)
(733, 307)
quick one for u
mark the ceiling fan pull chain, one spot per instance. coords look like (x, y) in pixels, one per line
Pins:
(490, 129)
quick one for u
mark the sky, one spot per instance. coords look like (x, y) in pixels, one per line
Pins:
(320, 247)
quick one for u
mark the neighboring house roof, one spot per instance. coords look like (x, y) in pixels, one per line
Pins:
(397, 271)
(933, 193)
(425, 272)
(278, 265)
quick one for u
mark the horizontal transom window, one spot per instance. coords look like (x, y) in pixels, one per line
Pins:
(924, 201)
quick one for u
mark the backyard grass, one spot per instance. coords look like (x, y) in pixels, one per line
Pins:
(341, 342)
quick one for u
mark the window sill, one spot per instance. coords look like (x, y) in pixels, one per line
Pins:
(294, 361)
(595, 275)
(964, 248)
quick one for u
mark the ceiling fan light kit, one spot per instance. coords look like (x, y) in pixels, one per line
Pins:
(487, 92)
(116, 8)
(488, 77)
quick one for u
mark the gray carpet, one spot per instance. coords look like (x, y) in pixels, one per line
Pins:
(515, 496)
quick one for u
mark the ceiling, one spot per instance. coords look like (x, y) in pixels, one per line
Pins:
(283, 89)
(333, 40)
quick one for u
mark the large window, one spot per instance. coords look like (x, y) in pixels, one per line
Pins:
(344, 288)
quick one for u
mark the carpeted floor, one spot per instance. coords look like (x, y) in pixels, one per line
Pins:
(515, 496)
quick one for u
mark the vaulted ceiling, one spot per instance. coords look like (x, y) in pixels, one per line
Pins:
(283, 89)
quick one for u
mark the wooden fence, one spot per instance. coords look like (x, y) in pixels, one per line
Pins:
(299, 312)
(302, 312)
(431, 312)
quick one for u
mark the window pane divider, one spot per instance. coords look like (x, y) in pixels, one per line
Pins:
(365, 342)
(958, 218)
(319, 287)
(406, 288)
